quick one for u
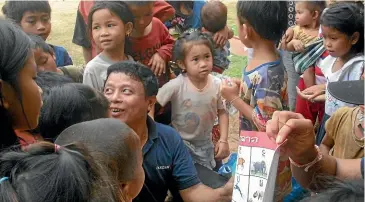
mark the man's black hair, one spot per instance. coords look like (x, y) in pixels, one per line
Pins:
(15, 9)
(139, 72)
(268, 18)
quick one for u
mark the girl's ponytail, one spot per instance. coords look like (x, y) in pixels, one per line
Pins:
(48, 172)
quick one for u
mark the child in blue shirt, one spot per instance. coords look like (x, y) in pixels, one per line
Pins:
(34, 17)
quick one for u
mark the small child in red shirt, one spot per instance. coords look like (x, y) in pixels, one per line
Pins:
(151, 42)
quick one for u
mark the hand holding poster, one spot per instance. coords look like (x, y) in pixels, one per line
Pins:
(262, 174)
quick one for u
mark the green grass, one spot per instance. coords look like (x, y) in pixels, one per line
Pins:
(63, 23)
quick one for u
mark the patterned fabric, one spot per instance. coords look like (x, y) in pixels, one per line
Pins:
(221, 60)
(291, 13)
(264, 89)
(302, 61)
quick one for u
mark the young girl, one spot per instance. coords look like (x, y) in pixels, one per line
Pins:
(110, 24)
(118, 150)
(20, 98)
(343, 30)
(195, 99)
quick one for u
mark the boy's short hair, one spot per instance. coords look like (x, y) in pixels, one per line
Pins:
(214, 16)
(48, 80)
(315, 5)
(138, 72)
(38, 42)
(269, 19)
(15, 9)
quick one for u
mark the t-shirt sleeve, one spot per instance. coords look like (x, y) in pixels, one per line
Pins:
(184, 172)
(167, 91)
(89, 78)
(167, 42)
(80, 36)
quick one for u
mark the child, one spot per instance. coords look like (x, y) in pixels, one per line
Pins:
(151, 42)
(110, 24)
(305, 33)
(263, 89)
(45, 59)
(195, 99)
(345, 129)
(214, 19)
(343, 30)
(70, 104)
(20, 101)
(47, 172)
(118, 150)
(34, 17)
(161, 10)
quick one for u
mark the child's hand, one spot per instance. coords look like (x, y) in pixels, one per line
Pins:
(221, 37)
(157, 64)
(298, 45)
(289, 34)
(230, 90)
(221, 150)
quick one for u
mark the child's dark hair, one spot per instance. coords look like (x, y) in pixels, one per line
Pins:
(315, 5)
(187, 40)
(15, 9)
(117, 8)
(337, 190)
(109, 141)
(45, 172)
(38, 42)
(269, 19)
(348, 18)
(47, 80)
(70, 104)
(214, 16)
(138, 72)
(15, 49)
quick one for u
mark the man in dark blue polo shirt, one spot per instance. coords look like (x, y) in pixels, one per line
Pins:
(131, 89)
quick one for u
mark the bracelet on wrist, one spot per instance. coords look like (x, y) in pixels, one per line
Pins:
(223, 141)
(310, 164)
(234, 99)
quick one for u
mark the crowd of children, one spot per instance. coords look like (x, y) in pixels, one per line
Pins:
(165, 59)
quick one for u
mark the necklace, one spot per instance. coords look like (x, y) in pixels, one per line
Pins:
(354, 137)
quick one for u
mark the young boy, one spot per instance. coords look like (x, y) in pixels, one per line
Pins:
(161, 10)
(344, 136)
(214, 19)
(151, 42)
(263, 88)
(46, 60)
(34, 17)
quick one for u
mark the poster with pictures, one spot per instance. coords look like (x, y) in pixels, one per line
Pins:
(257, 158)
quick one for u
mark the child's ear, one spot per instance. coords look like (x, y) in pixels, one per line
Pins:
(151, 102)
(180, 64)
(355, 38)
(128, 28)
(4, 102)
(316, 15)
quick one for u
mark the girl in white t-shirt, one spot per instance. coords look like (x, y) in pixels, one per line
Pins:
(343, 32)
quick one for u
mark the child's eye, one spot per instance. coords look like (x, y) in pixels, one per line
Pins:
(45, 19)
(110, 25)
(31, 21)
(96, 27)
(207, 56)
(195, 59)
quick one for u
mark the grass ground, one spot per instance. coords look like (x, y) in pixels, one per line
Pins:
(63, 23)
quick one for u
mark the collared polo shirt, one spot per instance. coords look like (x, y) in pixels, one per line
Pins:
(166, 162)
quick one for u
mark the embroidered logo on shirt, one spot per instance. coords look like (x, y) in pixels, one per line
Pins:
(162, 167)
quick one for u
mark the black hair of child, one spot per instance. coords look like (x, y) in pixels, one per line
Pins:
(186, 40)
(118, 8)
(315, 5)
(347, 18)
(47, 80)
(113, 148)
(213, 16)
(15, 47)
(335, 190)
(269, 19)
(69, 104)
(38, 42)
(138, 72)
(45, 173)
(15, 9)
